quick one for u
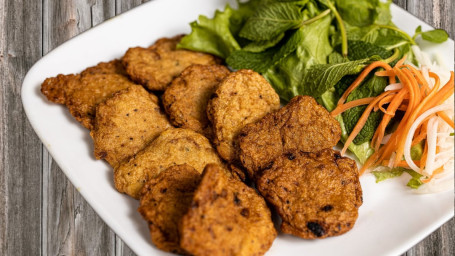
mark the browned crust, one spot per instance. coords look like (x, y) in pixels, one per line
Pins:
(185, 100)
(81, 93)
(226, 217)
(317, 194)
(126, 123)
(165, 199)
(242, 97)
(301, 125)
(156, 66)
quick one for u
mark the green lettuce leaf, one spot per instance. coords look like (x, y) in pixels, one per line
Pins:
(287, 75)
(415, 182)
(211, 35)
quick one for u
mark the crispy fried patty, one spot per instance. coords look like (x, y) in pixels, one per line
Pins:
(126, 123)
(185, 100)
(81, 93)
(171, 147)
(317, 194)
(226, 217)
(242, 97)
(165, 199)
(301, 125)
(156, 66)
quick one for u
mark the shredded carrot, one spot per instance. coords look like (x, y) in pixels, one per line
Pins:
(363, 119)
(446, 118)
(361, 77)
(400, 62)
(414, 98)
(351, 104)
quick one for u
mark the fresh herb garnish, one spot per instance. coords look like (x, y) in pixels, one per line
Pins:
(435, 36)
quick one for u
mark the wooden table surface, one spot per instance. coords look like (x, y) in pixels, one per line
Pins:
(41, 213)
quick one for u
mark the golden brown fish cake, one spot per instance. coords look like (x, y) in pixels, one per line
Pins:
(317, 194)
(164, 201)
(242, 97)
(171, 147)
(301, 125)
(185, 100)
(81, 93)
(226, 217)
(126, 123)
(155, 67)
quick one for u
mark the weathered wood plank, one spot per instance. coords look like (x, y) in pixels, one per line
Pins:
(70, 224)
(20, 161)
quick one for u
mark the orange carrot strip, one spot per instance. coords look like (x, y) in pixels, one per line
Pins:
(446, 118)
(400, 62)
(348, 105)
(362, 120)
(394, 104)
(361, 77)
(415, 113)
(388, 73)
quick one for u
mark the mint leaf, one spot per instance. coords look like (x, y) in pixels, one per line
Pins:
(211, 35)
(272, 19)
(360, 50)
(261, 62)
(320, 78)
(435, 36)
(260, 46)
(418, 30)
(373, 86)
(358, 12)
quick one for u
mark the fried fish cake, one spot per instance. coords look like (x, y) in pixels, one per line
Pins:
(81, 93)
(302, 125)
(226, 217)
(171, 147)
(126, 123)
(155, 67)
(185, 100)
(164, 201)
(317, 194)
(242, 97)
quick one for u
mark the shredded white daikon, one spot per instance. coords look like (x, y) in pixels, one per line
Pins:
(392, 87)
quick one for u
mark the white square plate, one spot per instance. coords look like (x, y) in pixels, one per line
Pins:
(391, 220)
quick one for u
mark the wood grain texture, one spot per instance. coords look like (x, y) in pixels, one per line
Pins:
(41, 213)
(70, 226)
(21, 151)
